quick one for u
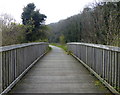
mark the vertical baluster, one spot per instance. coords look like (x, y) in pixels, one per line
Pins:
(0, 71)
(118, 75)
(9, 66)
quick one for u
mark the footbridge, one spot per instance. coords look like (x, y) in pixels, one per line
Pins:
(85, 68)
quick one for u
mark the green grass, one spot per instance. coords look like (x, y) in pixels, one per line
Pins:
(64, 47)
(50, 48)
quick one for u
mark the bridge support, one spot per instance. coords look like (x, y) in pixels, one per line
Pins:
(16, 60)
(103, 61)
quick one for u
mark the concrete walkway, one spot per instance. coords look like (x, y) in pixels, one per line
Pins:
(58, 72)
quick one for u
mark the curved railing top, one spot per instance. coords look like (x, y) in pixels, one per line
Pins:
(11, 47)
(106, 47)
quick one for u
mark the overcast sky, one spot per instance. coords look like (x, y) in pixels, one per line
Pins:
(55, 10)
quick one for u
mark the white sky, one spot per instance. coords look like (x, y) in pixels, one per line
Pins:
(55, 10)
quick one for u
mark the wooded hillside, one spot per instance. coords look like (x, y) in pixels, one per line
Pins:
(98, 23)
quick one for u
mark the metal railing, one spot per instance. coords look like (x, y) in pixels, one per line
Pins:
(16, 60)
(102, 60)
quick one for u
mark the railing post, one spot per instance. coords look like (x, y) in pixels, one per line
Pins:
(0, 60)
(0, 37)
(118, 70)
(0, 72)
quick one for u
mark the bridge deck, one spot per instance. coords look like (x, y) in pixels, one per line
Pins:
(58, 72)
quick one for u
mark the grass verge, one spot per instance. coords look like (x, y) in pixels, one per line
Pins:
(49, 48)
(64, 46)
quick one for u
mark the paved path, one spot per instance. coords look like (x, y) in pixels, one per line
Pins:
(58, 72)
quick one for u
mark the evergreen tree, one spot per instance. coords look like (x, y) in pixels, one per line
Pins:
(33, 20)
